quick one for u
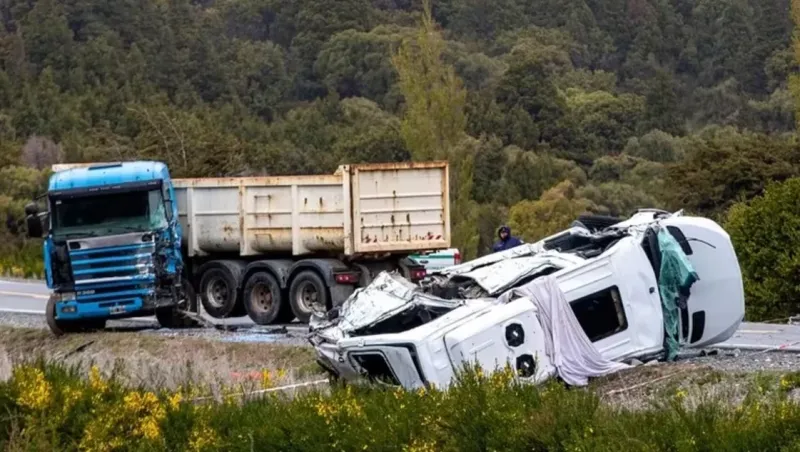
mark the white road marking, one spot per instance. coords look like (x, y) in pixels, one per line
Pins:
(29, 282)
(758, 331)
(22, 311)
(35, 312)
(24, 294)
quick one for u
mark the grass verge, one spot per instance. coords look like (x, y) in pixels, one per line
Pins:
(155, 361)
(21, 258)
(52, 407)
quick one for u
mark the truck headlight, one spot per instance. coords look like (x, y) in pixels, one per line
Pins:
(68, 296)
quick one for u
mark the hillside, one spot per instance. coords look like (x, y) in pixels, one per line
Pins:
(568, 106)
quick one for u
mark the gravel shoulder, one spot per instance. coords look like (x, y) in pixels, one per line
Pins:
(719, 376)
(158, 360)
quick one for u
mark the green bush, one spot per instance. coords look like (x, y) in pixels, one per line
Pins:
(766, 236)
(21, 258)
(48, 407)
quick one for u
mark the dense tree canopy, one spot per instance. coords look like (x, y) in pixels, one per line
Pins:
(545, 108)
(765, 235)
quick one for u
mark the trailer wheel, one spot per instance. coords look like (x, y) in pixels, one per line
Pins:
(62, 327)
(307, 294)
(218, 292)
(173, 317)
(263, 300)
(286, 315)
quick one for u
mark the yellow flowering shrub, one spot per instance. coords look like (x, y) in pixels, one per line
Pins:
(202, 438)
(53, 409)
(138, 415)
(34, 391)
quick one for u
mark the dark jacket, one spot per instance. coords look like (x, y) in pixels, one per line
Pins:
(508, 243)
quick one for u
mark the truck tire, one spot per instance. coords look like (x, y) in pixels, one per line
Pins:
(172, 317)
(286, 315)
(62, 327)
(218, 291)
(263, 300)
(307, 291)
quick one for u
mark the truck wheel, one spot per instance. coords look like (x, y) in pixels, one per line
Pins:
(263, 300)
(218, 292)
(308, 294)
(238, 311)
(62, 327)
(172, 317)
(286, 315)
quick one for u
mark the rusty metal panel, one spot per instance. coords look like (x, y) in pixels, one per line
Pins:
(365, 208)
(267, 219)
(302, 217)
(319, 211)
(254, 216)
(400, 207)
(347, 184)
(215, 219)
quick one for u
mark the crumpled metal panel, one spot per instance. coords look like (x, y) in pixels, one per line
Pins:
(388, 295)
(527, 249)
(503, 275)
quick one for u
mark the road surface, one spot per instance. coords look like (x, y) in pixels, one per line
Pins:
(26, 297)
(31, 297)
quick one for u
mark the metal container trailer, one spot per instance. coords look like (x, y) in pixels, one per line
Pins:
(305, 241)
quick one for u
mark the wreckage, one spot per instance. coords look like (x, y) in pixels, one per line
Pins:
(576, 305)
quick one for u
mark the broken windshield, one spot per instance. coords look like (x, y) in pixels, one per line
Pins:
(108, 214)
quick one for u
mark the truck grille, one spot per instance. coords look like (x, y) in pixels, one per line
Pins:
(114, 274)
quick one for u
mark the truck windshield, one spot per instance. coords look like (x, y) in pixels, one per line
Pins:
(117, 213)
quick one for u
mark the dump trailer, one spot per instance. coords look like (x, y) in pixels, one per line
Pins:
(124, 239)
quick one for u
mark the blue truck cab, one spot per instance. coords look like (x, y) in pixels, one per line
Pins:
(112, 247)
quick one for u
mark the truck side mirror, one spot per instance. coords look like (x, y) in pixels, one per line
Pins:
(168, 204)
(32, 221)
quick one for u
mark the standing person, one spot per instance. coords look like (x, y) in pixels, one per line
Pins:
(507, 241)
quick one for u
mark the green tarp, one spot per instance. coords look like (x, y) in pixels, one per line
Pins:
(675, 279)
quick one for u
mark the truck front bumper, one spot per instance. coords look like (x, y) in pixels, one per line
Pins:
(73, 310)
(124, 305)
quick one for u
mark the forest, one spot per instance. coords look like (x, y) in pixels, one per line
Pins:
(546, 109)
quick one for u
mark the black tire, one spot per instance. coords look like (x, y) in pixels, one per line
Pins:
(172, 317)
(286, 315)
(88, 326)
(239, 310)
(263, 300)
(308, 290)
(62, 327)
(598, 222)
(218, 291)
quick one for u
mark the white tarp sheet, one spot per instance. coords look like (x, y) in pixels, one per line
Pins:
(568, 348)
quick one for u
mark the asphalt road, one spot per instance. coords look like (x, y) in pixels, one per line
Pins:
(26, 297)
(31, 297)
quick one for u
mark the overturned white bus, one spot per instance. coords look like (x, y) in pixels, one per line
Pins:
(577, 304)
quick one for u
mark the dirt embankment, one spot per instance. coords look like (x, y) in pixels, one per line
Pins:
(155, 360)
